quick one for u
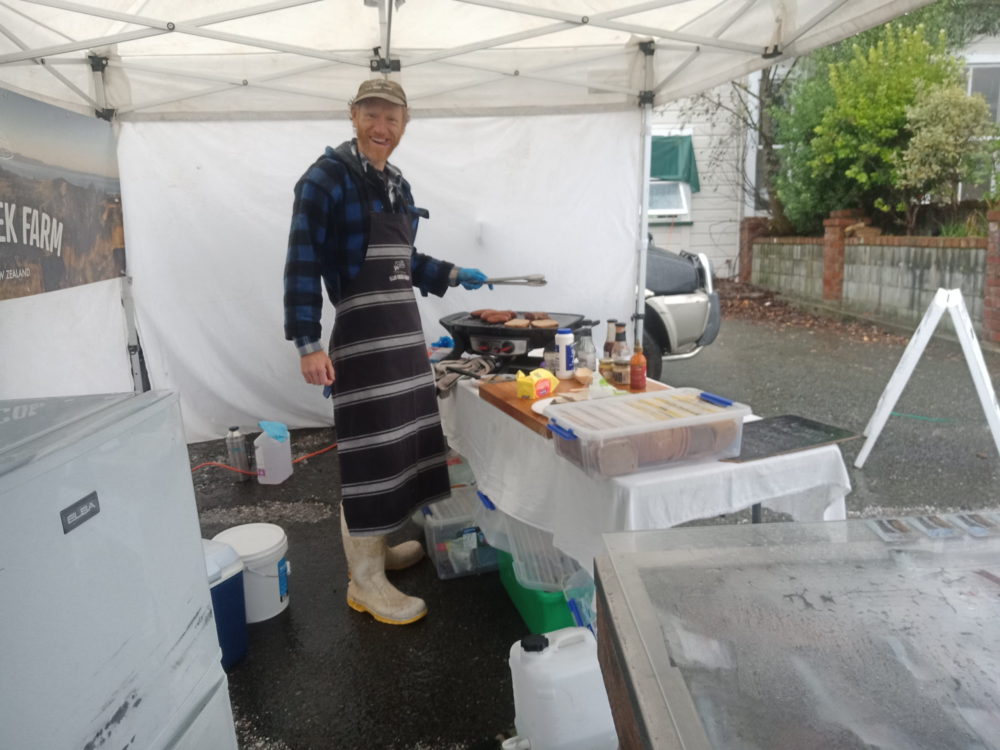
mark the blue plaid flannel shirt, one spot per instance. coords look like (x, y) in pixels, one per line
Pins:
(328, 241)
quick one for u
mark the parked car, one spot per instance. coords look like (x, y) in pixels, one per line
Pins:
(682, 308)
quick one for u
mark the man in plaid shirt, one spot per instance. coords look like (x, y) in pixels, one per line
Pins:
(352, 231)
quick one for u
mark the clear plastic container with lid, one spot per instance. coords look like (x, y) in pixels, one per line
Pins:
(609, 437)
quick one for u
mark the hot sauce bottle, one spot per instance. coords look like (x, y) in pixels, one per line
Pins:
(637, 370)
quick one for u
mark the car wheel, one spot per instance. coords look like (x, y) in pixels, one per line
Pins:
(654, 356)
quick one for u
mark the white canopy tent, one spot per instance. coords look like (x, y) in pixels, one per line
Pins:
(220, 106)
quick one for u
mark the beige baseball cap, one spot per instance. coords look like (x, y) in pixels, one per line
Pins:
(381, 88)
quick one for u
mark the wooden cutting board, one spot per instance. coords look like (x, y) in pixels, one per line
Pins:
(504, 397)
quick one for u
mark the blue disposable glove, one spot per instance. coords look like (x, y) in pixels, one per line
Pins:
(471, 278)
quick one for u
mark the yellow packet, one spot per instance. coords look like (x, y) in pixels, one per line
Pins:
(537, 384)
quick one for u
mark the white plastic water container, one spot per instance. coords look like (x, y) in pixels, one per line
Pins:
(274, 459)
(560, 702)
(262, 547)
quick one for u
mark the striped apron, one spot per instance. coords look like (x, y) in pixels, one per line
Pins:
(390, 444)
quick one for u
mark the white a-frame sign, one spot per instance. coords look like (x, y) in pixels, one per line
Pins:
(950, 300)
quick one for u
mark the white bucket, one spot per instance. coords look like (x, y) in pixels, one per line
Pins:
(274, 459)
(262, 547)
(560, 702)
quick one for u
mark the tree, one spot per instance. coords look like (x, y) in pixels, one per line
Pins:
(789, 102)
(960, 20)
(804, 201)
(860, 137)
(844, 130)
(953, 139)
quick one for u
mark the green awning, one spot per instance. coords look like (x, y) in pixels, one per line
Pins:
(673, 159)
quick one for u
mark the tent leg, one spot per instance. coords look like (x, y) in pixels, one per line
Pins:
(642, 243)
(132, 336)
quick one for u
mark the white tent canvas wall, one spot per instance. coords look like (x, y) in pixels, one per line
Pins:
(526, 145)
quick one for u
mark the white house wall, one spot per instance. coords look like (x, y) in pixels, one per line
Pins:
(715, 210)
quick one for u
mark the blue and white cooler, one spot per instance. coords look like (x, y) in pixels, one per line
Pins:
(224, 567)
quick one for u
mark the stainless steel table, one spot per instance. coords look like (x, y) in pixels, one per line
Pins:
(804, 635)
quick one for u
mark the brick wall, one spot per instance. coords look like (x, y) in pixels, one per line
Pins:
(892, 278)
(991, 302)
(751, 228)
(791, 265)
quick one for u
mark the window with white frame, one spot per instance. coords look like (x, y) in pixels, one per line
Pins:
(669, 199)
(673, 177)
(985, 81)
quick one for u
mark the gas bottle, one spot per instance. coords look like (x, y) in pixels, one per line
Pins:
(236, 448)
(560, 702)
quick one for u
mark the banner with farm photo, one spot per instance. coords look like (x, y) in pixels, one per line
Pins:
(60, 199)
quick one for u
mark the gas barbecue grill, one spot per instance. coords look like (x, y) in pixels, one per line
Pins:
(510, 346)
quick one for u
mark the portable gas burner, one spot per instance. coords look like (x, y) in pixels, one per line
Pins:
(509, 345)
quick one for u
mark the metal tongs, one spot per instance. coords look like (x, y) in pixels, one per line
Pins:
(535, 279)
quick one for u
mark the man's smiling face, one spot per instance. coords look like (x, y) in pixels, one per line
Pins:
(379, 125)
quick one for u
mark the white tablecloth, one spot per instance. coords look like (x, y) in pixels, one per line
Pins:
(521, 473)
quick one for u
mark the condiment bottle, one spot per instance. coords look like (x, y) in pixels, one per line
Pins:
(550, 357)
(637, 370)
(236, 448)
(609, 339)
(606, 369)
(621, 358)
(586, 352)
(564, 347)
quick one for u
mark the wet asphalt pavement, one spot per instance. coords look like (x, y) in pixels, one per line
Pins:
(320, 675)
(936, 451)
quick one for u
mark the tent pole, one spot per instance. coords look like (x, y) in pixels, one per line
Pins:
(642, 242)
(646, 128)
(131, 334)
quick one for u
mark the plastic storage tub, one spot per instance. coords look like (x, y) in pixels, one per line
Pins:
(537, 562)
(454, 541)
(493, 523)
(579, 590)
(459, 472)
(541, 611)
(609, 437)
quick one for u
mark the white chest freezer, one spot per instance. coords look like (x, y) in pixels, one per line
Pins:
(107, 637)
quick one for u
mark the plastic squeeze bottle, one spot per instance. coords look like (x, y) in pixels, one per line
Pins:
(637, 370)
(564, 345)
